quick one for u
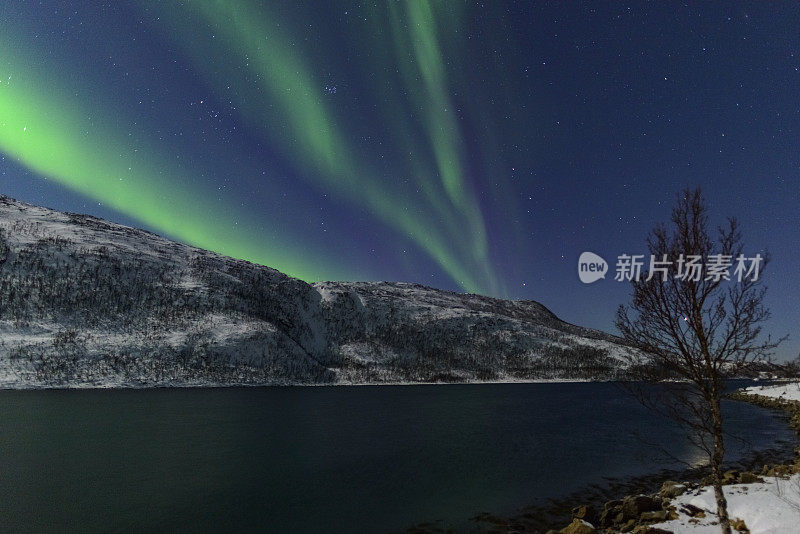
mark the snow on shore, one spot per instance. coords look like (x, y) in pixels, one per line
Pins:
(786, 391)
(769, 507)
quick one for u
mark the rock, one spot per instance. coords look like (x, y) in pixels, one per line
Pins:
(657, 516)
(578, 526)
(738, 524)
(692, 510)
(586, 513)
(730, 477)
(629, 526)
(646, 529)
(635, 505)
(749, 478)
(612, 513)
(605, 520)
(671, 489)
(780, 470)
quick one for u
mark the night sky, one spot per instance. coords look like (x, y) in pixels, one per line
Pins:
(468, 146)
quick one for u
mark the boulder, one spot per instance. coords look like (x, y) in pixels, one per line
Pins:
(635, 505)
(647, 529)
(671, 489)
(657, 516)
(612, 514)
(578, 526)
(780, 470)
(738, 525)
(586, 513)
(692, 510)
(749, 478)
(730, 477)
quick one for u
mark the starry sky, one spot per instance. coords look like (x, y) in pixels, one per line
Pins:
(469, 146)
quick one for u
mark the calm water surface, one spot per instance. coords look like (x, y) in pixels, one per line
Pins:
(339, 459)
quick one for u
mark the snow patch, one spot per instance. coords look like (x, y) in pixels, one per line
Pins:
(785, 391)
(771, 507)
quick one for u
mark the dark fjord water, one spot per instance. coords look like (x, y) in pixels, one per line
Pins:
(338, 459)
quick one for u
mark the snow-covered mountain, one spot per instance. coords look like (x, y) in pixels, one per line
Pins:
(85, 302)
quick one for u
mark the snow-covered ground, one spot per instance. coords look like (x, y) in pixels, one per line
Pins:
(769, 507)
(786, 391)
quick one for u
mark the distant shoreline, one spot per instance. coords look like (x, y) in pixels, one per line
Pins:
(243, 385)
(505, 381)
(332, 384)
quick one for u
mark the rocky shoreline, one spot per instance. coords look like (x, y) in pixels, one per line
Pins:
(642, 504)
(642, 513)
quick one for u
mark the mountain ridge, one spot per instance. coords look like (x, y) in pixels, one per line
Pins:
(85, 302)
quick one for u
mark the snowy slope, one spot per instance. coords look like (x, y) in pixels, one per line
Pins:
(85, 302)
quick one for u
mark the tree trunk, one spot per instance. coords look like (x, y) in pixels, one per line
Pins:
(716, 465)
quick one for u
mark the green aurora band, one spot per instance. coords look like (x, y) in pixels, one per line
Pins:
(54, 136)
(79, 144)
(283, 92)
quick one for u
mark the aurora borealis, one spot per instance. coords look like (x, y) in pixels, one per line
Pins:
(469, 146)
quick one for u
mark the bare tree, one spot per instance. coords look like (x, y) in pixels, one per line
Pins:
(696, 330)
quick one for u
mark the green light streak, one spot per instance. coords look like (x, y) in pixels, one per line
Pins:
(289, 108)
(52, 135)
(417, 32)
